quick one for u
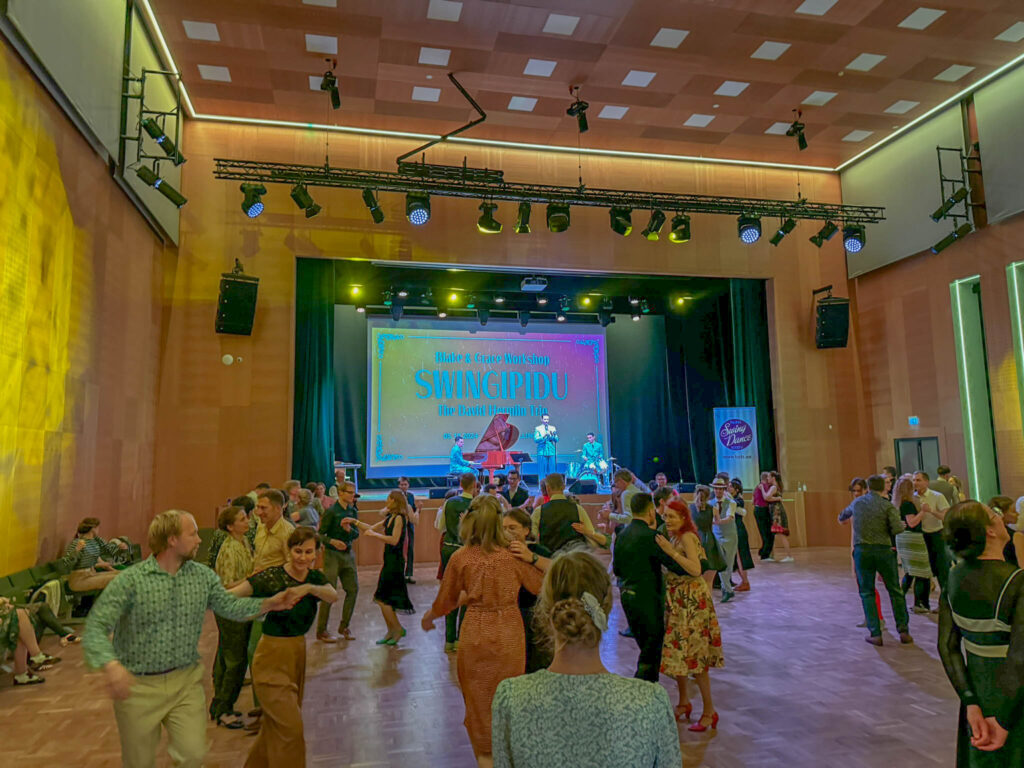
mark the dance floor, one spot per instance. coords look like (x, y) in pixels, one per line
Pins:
(800, 688)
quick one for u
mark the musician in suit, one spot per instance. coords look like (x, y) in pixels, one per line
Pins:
(457, 465)
(514, 490)
(593, 457)
(546, 435)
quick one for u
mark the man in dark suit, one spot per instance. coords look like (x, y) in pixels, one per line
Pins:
(637, 562)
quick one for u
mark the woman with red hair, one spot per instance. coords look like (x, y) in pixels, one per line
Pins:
(693, 640)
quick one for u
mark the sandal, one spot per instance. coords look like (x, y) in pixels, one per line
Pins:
(71, 639)
(47, 662)
(28, 679)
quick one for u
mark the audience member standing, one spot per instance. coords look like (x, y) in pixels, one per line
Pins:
(339, 561)
(704, 518)
(942, 485)
(449, 518)
(623, 483)
(84, 557)
(889, 473)
(553, 521)
(723, 523)
(744, 562)
(934, 505)
(763, 517)
(564, 715)
(412, 522)
(981, 639)
(875, 522)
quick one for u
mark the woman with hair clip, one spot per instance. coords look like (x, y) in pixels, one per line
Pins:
(562, 715)
(981, 639)
(492, 643)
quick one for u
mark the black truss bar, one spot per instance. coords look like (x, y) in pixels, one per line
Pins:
(384, 181)
(466, 127)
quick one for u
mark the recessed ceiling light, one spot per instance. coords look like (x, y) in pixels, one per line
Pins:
(953, 73)
(559, 24)
(770, 51)
(819, 98)
(921, 18)
(214, 72)
(322, 44)
(522, 103)
(539, 67)
(865, 62)
(731, 88)
(857, 135)
(437, 57)
(323, 3)
(901, 107)
(698, 121)
(613, 113)
(201, 30)
(671, 38)
(420, 93)
(816, 7)
(1013, 34)
(637, 78)
(444, 10)
(778, 129)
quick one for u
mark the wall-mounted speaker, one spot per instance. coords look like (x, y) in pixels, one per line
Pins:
(583, 487)
(236, 307)
(832, 324)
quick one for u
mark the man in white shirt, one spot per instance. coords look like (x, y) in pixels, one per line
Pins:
(934, 506)
(624, 481)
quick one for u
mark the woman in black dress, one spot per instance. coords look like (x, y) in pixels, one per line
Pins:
(744, 562)
(392, 594)
(517, 524)
(981, 639)
(703, 517)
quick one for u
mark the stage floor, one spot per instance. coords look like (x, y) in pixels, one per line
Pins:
(800, 689)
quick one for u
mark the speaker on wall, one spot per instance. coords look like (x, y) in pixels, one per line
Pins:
(832, 324)
(236, 307)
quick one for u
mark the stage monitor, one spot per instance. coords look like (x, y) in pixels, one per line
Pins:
(430, 380)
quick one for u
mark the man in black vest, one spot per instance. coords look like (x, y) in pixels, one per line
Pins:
(552, 522)
(448, 519)
(514, 490)
(637, 561)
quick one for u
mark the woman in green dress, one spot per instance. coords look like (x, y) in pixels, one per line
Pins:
(981, 639)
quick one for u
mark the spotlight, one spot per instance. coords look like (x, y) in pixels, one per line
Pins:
(471, 301)
(962, 231)
(355, 290)
(620, 220)
(853, 238)
(303, 199)
(453, 297)
(417, 207)
(657, 221)
(797, 129)
(483, 315)
(523, 222)
(644, 308)
(370, 200)
(361, 309)
(442, 314)
(558, 217)
(487, 224)
(386, 298)
(251, 204)
(565, 304)
(604, 314)
(947, 204)
(585, 301)
(329, 83)
(402, 294)
(396, 311)
(749, 228)
(148, 176)
(499, 299)
(152, 127)
(542, 300)
(635, 315)
(560, 316)
(784, 229)
(680, 232)
(634, 301)
(578, 109)
(825, 233)
(679, 301)
(524, 317)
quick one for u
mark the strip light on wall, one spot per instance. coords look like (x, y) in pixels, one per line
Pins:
(1014, 278)
(957, 287)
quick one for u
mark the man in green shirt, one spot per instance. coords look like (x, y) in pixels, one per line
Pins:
(155, 611)
(339, 560)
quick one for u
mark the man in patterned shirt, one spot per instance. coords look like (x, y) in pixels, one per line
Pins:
(155, 612)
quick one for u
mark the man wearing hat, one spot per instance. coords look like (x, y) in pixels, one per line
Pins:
(724, 527)
(339, 560)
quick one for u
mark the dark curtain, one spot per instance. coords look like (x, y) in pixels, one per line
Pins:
(350, 364)
(751, 362)
(313, 427)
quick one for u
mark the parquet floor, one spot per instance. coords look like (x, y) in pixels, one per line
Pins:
(800, 689)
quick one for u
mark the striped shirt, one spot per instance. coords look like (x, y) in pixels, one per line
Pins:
(95, 549)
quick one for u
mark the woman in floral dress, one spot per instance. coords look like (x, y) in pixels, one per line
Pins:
(693, 640)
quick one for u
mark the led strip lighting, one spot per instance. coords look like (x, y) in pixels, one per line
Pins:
(1017, 318)
(966, 397)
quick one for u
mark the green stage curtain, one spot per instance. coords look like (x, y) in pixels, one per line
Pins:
(751, 362)
(313, 428)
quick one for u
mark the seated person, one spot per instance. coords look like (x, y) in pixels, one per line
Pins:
(88, 557)
(457, 465)
(16, 634)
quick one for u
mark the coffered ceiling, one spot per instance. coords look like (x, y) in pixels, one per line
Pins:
(711, 78)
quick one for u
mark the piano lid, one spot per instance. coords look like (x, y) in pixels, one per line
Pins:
(499, 435)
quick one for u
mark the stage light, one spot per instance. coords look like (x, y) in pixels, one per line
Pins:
(560, 316)
(604, 314)
(305, 202)
(644, 307)
(853, 238)
(396, 311)
(370, 200)
(635, 315)
(483, 315)
(620, 220)
(680, 301)
(680, 232)
(152, 127)
(499, 299)
(524, 317)
(251, 203)
(148, 176)
(471, 301)
(657, 221)
(386, 298)
(453, 297)
(825, 233)
(558, 217)
(585, 301)
(403, 293)
(578, 109)
(749, 228)
(634, 301)
(784, 229)
(523, 222)
(355, 290)
(360, 309)
(442, 314)
(565, 304)
(487, 224)
(949, 203)
(417, 207)
(329, 83)
(542, 300)
(797, 129)
(962, 231)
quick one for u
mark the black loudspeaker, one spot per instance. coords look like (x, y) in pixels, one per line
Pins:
(236, 307)
(583, 486)
(437, 493)
(832, 325)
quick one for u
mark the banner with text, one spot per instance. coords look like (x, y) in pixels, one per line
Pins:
(736, 444)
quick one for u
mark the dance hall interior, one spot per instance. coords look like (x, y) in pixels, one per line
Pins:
(517, 383)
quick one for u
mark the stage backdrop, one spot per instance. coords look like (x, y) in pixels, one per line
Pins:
(430, 380)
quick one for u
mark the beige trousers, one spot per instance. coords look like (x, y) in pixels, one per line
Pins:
(278, 679)
(86, 579)
(175, 701)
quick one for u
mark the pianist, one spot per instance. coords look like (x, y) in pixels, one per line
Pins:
(456, 463)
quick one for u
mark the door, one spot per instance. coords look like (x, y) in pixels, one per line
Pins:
(917, 453)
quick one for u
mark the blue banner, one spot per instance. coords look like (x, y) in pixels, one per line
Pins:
(736, 444)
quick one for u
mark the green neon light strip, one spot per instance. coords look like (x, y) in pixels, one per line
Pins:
(965, 395)
(1017, 319)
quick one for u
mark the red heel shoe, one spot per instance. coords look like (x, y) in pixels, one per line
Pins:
(684, 711)
(699, 727)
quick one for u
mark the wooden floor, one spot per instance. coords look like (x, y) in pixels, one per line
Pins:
(800, 688)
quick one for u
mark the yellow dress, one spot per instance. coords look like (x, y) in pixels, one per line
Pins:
(693, 639)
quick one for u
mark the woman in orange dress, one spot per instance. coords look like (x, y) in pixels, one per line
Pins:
(492, 642)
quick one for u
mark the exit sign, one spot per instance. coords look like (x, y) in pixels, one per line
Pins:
(913, 421)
